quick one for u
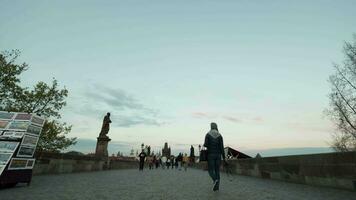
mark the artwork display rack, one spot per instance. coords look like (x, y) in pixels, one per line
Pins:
(19, 135)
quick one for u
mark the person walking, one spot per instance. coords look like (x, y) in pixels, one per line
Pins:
(185, 161)
(158, 162)
(163, 162)
(142, 157)
(172, 162)
(215, 145)
(150, 162)
(168, 162)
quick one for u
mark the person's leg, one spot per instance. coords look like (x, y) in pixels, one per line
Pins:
(211, 167)
(217, 167)
(141, 165)
(217, 171)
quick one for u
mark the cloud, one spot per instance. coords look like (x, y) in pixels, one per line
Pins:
(125, 109)
(228, 117)
(204, 115)
(116, 98)
(232, 119)
(128, 121)
(258, 119)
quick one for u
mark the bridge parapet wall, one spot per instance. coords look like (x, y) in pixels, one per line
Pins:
(58, 163)
(336, 170)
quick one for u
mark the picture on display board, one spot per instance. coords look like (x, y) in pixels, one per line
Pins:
(18, 163)
(2, 168)
(30, 163)
(23, 116)
(26, 151)
(6, 115)
(30, 140)
(35, 130)
(4, 158)
(18, 134)
(8, 133)
(3, 124)
(8, 146)
(13, 134)
(19, 125)
(38, 120)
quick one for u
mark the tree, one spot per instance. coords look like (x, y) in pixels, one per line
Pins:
(343, 100)
(43, 99)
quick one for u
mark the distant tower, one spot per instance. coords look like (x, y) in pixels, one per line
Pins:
(192, 154)
(166, 151)
(149, 150)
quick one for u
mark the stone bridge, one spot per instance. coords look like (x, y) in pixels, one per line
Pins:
(163, 184)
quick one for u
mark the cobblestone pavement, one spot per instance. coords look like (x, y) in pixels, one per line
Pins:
(163, 184)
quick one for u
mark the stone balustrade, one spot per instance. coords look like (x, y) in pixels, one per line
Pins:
(336, 170)
(57, 163)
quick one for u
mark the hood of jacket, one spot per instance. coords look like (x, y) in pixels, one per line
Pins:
(214, 133)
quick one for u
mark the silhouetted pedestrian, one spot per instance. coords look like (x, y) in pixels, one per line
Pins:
(168, 163)
(215, 145)
(150, 162)
(142, 157)
(172, 162)
(158, 162)
(185, 161)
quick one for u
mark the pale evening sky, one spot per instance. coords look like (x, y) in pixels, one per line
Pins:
(166, 69)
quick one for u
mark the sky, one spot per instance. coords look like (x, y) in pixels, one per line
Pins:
(166, 69)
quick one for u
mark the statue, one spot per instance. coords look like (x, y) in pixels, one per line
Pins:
(192, 151)
(149, 150)
(192, 155)
(106, 126)
(103, 140)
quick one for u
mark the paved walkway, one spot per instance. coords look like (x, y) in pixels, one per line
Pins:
(164, 184)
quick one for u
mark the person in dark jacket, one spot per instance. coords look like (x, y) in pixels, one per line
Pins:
(142, 157)
(215, 145)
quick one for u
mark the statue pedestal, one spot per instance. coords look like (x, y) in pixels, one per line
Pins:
(102, 147)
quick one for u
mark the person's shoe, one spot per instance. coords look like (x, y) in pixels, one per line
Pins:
(216, 185)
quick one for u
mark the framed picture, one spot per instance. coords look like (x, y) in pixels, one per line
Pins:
(30, 163)
(13, 134)
(2, 168)
(19, 125)
(30, 140)
(4, 158)
(7, 134)
(6, 115)
(35, 130)
(3, 124)
(18, 163)
(18, 134)
(23, 116)
(8, 146)
(37, 120)
(26, 151)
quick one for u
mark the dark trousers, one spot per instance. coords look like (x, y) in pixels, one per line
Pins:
(141, 164)
(214, 161)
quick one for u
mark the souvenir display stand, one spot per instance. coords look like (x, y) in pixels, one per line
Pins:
(19, 135)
